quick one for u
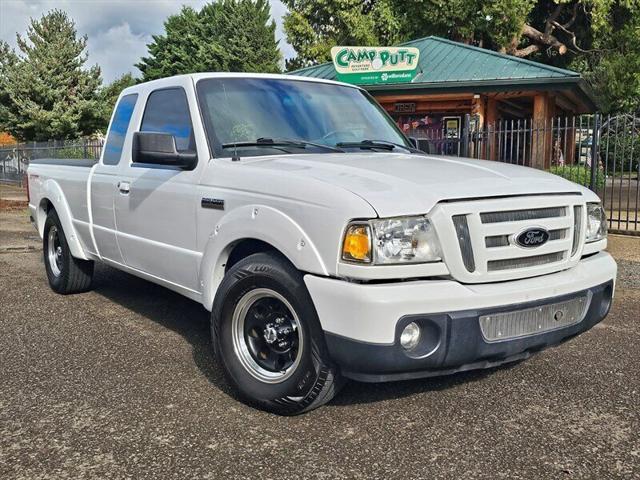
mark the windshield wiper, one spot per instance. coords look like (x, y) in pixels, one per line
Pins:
(280, 142)
(379, 144)
(367, 144)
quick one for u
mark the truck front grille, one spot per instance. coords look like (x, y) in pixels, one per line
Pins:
(520, 215)
(503, 240)
(524, 262)
(464, 239)
(482, 243)
(577, 230)
(503, 326)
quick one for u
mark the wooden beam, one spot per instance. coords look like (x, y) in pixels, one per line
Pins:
(491, 121)
(423, 107)
(542, 134)
(539, 122)
(513, 109)
(566, 104)
(423, 97)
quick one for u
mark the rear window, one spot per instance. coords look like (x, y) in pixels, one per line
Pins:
(118, 129)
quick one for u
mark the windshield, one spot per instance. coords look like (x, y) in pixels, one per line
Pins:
(250, 110)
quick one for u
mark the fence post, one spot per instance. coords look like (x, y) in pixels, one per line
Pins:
(595, 141)
(466, 132)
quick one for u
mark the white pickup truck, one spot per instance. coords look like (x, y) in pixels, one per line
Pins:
(323, 243)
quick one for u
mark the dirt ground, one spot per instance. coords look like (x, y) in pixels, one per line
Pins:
(120, 383)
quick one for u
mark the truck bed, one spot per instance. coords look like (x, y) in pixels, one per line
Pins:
(63, 181)
(67, 162)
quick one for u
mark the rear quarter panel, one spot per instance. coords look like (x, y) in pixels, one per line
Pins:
(65, 187)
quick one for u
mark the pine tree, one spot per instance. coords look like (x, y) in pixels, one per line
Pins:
(47, 92)
(228, 35)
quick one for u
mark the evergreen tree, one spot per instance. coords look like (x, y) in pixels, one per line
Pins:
(47, 94)
(228, 35)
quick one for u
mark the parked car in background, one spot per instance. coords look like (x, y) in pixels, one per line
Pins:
(323, 243)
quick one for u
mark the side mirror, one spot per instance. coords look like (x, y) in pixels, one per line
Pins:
(160, 149)
(413, 141)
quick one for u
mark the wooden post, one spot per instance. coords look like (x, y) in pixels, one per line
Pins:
(491, 121)
(542, 134)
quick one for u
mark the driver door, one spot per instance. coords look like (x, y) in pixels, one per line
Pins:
(155, 205)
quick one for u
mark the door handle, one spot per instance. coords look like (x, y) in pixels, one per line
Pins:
(124, 187)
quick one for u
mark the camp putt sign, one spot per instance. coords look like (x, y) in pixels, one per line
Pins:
(370, 65)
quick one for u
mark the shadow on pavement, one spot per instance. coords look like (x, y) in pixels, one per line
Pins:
(190, 320)
(166, 308)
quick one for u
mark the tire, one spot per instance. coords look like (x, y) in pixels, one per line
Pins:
(262, 309)
(66, 273)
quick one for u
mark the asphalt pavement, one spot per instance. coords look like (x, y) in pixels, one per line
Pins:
(120, 383)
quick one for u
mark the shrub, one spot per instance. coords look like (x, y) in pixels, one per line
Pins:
(579, 174)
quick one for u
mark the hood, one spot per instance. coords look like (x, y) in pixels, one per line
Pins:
(407, 184)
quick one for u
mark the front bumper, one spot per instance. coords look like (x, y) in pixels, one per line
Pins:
(363, 323)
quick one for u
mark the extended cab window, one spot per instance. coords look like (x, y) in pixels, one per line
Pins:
(167, 111)
(118, 129)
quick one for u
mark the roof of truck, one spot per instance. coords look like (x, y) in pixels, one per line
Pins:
(200, 76)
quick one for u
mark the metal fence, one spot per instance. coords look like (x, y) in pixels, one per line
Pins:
(15, 158)
(566, 146)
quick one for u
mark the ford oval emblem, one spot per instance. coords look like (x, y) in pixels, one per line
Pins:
(532, 237)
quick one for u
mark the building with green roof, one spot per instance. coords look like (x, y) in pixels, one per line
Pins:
(454, 79)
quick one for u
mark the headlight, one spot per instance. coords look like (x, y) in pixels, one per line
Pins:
(392, 241)
(596, 222)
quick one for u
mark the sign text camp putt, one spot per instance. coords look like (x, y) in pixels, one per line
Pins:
(370, 65)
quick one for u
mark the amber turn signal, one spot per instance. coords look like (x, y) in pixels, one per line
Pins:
(357, 244)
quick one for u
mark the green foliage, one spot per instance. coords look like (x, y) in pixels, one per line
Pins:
(228, 35)
(613, 70)
(580, 174)
(600, 38)
(69, 152)
(620, 144)
(46, 92)
(314, 26)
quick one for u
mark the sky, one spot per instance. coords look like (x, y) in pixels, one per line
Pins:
(118, 30)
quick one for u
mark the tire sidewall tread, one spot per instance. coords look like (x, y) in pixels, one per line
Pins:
(76, 274)
(314, 381)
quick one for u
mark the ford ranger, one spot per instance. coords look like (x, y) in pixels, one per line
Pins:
(324, 244)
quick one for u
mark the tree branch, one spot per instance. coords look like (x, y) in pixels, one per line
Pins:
(539, 37)
(572, 36)
(548, 29)
(525, 52)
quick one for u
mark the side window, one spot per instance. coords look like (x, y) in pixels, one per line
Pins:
(167, 111)
(118, 129)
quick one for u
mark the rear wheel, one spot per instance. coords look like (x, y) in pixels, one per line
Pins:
(66, 274)
(267, 337)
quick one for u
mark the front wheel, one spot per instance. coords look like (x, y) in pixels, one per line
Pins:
(267, 336)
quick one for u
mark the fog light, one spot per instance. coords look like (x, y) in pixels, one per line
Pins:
(410, 336)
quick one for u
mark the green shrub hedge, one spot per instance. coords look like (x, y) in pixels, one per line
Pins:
(580, 174)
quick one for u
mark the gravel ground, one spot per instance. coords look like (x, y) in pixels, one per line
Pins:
(119, 383)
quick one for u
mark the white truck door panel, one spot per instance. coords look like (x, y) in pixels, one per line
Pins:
(155, 205)
(104, 179)
(156, 224)
(103, 184)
